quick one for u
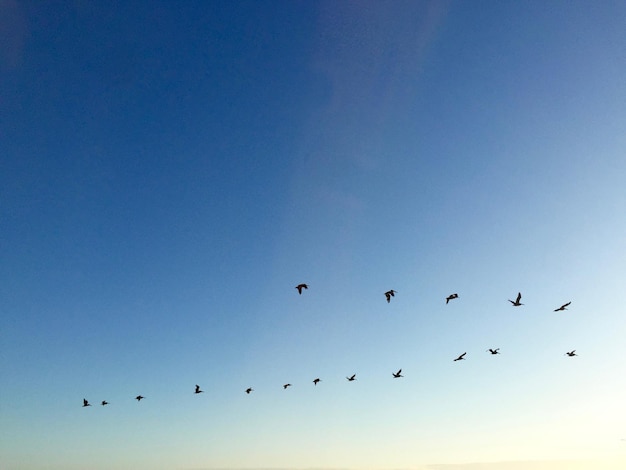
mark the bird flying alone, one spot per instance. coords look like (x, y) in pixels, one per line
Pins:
(85, 403)
(461, 357)
(451, 297)
(300, 287)
(248, 390)
(139, 398)
(493, 351)
(198, 389)
(286, 386)
(104, 403)
(571, 353)
(563, 307)
(389, 294)
(398, 374)
(517, 302)
(352, 378)
(316, 381)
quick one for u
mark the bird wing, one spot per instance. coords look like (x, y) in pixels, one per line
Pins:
(519, 297)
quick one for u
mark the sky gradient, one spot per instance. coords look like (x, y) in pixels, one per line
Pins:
(170, 171)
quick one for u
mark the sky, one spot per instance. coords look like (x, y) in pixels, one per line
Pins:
(170, 171)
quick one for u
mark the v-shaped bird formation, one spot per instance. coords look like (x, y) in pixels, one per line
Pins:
(396, 375)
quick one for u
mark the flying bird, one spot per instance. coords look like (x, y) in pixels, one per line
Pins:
(398, 374)
(571, 353)
(286, 386)
(451, 297)
(139, 398)
(85, 403)
(300, 287)
(517, 302)
(389, 294)
(248, 390)
(104, 402)
(562, 307)
(316, 381)
(461, 357)
(351, 378)
(198, 389)
(493, 351)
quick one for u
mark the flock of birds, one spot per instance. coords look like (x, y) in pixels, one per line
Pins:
(396, 375)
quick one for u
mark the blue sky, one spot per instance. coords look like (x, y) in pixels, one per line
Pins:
(169, 171)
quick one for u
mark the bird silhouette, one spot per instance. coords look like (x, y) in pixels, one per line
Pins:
(398, 374)
(316, 381)
(451, 297)
(351, 378)
(461, 357)
(300, 287)
(286, 386)
(571, 353)
(389, 294)
(562, 307)
(85, 403)
(517, 302)
(104, 402)
(493, 351)
(139, 398)
(198, 389)
(248, 390)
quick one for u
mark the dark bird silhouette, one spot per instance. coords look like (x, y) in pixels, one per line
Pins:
(562, 307)
(389, 294)
(517, 302)
(139, 398)
(398, 374)
(198, 389)
(351, 378)
(571, 353)
(461, 357)
(104, 402)
(316, 381)
(286, 386)
(248, 390)
(300, 287)
(493, 351)
(85, 403)
(451, 297)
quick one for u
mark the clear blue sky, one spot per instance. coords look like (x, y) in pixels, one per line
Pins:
(169, 171)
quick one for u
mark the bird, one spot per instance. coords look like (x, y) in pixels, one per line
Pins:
(451, 297)
(248, 390)
(563, 307)
(493, 351)
(300, 287)
(316, 381)
(389, 294)
(104, 402)
(139, 398)
(517, 302)
(85, 403)
(571, 353)
(351, 378)
(286, 386)
(398, 374)
(198, 389)
(461, 358)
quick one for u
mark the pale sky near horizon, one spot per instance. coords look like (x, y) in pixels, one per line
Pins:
(170, 171)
